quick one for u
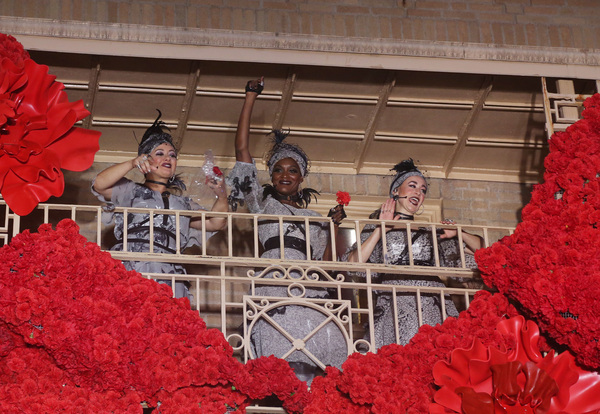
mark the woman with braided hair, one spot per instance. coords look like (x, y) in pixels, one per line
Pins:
(288, 165)
(161, 189)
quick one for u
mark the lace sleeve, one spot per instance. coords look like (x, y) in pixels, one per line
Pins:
(245, 188)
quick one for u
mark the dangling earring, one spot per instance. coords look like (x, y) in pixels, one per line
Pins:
(422, 211)
(300, 194)
(170, 181)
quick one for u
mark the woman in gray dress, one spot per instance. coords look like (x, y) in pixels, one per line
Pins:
(162, 189)
(407, 194)
(288, 165)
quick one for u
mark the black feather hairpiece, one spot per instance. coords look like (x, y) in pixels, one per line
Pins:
(155, 135)
(158, 127)
(403, 170)
(405, 166)
(279, 135)
(281, 149)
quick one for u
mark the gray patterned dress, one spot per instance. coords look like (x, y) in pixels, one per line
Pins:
(126, 193)
(328, 345)
(397, 254)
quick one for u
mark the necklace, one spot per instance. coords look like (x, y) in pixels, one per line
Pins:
(291, 198)
(404, 216)
(157, 182)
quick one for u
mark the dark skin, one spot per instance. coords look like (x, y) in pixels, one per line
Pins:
(286, 179)
(287, 176)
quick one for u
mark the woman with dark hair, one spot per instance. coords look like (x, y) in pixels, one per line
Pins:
(407, 194)
(288, 166)
(162, 189)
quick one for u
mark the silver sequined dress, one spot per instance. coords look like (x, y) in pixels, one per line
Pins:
(328, 345)
(126, 193)
(397, 254)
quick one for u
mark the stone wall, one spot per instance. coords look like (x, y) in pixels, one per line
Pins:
(546, 23)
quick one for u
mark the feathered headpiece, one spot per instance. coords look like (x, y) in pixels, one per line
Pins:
(281, 150)
(154, 136)
(404, 169)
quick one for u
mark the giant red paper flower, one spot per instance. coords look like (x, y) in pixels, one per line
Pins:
(37, 137)
(493, 380)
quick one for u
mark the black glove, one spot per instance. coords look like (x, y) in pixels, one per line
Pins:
(257, 89)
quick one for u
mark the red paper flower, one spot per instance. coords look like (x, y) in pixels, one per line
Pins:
(37, 137)
(489, 380)
(343, 198)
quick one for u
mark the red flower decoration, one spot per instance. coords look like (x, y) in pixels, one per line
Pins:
(551, 264)
(489, 380)
(343, 198)
(12, 50)
(399, 379)
(78, 332)
(217, 171)
(37, 137)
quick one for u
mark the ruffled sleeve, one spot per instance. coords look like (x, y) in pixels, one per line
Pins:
(245, 189)
(122, 196)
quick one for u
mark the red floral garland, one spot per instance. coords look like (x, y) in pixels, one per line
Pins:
(37, 137)
(551, 264)
(113, 338)
(399, 379)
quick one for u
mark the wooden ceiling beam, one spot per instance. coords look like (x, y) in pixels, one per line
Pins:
(465, 130)
(286, 98)
(384, 96)
(184, 113)
(93, 84)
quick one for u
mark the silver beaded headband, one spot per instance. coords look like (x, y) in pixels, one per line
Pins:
(404, 170)
(281, 150)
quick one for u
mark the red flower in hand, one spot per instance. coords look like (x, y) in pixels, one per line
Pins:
(217, 171)
(37, 137)
(343, 198)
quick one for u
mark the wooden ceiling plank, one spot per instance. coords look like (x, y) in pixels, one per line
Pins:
(384, 96)
(465, 130)
(92, 91)
(184, 114)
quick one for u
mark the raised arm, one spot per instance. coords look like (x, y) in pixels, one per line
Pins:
(106, 180)
(242, 136)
